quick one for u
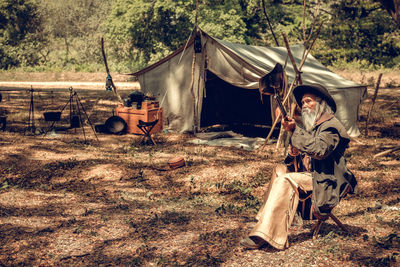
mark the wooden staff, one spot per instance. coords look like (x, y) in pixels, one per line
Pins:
(373, 103)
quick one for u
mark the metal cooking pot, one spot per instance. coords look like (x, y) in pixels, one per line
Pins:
(75, 121)
(52, 116)
(115, 125)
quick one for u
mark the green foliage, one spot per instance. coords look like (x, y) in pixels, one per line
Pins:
(20, 37)
(74, 28)
(359, 31)
(144, 31)
(64, 35)
(5, 185)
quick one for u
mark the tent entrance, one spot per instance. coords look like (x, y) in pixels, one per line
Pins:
(240, 109)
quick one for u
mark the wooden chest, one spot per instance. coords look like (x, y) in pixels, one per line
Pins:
(132, 116)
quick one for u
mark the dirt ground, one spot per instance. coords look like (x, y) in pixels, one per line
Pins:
(70, 197)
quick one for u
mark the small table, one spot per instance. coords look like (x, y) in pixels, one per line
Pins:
(146, 128)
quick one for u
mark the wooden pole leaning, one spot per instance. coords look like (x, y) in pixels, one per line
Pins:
(292, 84)
(373, 103)
(108, 71)
(298, 81)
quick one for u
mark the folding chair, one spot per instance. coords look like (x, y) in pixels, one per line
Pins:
(146, 128)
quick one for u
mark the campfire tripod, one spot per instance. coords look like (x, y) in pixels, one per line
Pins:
(76, 119)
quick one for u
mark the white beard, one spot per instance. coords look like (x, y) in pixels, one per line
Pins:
(309, 117)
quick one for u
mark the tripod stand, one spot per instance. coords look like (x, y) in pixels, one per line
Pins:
(75, 116)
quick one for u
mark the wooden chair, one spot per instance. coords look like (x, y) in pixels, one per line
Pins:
(146, 128)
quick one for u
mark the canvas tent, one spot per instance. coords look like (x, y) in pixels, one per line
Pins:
(218, 84)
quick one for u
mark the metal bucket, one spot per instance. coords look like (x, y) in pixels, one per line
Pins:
(75, 123)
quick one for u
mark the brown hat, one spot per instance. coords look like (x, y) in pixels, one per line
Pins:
(315, 89)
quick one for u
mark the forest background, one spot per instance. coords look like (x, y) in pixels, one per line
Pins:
(57, 36)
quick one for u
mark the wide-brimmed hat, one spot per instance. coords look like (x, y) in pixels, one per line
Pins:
(315, 89)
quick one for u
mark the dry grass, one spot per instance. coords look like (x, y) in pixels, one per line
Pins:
(64, 201)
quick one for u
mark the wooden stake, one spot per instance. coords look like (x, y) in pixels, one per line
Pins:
(373, 103)
(383, 153)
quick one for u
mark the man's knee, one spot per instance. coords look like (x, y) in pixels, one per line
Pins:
(280, 169)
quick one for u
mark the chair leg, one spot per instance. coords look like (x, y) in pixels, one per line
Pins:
(316, 227)
(336, 220)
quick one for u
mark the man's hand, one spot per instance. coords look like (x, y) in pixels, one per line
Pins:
(293, 151)
(288, 124)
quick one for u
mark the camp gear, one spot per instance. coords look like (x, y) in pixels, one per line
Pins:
(146, 128)
(109, 82)
(176, 162)
(322, 218)
(52, 116)
(272, 81)
(75, 122)
(115, 125)
(75, 114)
(149, 112)
(99, 128)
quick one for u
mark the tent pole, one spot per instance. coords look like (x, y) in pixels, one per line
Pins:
(192, 92)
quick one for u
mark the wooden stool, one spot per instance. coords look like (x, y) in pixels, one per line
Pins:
(322, 218)
(317, 226)
(146, 128)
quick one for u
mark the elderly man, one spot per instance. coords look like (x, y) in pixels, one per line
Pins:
(320, 142)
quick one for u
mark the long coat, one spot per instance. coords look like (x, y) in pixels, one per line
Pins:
(326, 145)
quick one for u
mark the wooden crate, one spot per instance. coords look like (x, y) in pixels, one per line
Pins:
(150, 104)
(132, 116)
